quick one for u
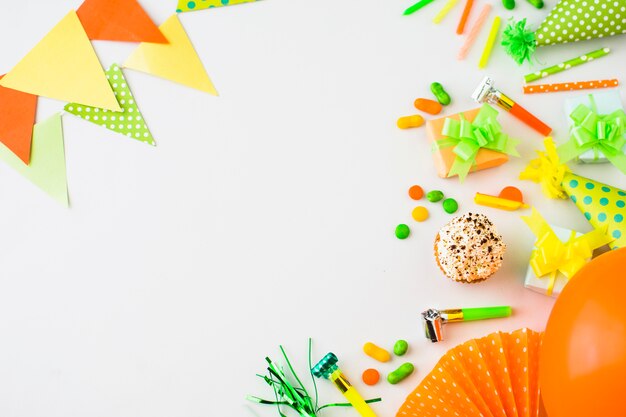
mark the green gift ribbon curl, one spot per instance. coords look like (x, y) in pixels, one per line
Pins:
(600, 133)
(468, 138)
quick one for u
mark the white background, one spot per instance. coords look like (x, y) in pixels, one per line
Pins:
(263, 217)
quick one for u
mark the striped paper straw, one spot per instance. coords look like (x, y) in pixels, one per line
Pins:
(473, 34)
(566, 65)
(575, 85)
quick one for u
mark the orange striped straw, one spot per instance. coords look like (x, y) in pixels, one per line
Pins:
(575, 85)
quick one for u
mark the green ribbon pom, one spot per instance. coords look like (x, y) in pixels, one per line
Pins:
(600, 133)
(468, 138)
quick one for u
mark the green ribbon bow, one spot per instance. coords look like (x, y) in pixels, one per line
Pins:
(468, 138)
(600, 133)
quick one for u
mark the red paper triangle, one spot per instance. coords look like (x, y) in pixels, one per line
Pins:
(118, 20)
(17, 117)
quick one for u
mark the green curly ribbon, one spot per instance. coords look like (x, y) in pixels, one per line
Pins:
(600, 133)
(470, 137)
(293, 395)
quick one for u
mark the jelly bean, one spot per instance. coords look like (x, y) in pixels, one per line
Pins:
(508, 4)
(439, 92)
(402, 231)
(450, 205)
(537, 3)
(370, 376)
(420, 213)
(428, 106)
(376, 352)
(416, 192)
(401, 373)
(434, 196)
(406, 122)
(400, 347)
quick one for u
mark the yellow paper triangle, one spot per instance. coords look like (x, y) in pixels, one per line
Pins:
(176, 61)
(64, 66)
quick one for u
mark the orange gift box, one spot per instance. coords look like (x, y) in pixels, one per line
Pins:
(444, 158)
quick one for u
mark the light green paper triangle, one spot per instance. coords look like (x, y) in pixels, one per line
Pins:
(577, 20)
(128, 122)
(601, 204)
(190, 6)
(47, 159)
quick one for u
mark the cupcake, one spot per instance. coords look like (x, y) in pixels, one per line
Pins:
(469, 249)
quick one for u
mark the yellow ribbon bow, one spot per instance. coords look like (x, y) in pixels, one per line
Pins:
(551, 255)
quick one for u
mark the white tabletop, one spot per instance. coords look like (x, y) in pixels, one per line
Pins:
(264, 216)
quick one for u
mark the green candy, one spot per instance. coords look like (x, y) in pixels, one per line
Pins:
(439, 92)
(402, 231)
(450, 205)
(508, 4)
(400, 347)
(401, 373)
(434, 196)
(537, 3)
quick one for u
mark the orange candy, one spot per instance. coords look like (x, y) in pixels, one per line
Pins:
(416, 192)
(428, 106)
(370, 376)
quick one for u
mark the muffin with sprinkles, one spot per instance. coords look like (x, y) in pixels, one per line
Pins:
(469, 249)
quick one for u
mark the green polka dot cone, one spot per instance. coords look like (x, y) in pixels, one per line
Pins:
(577, 20)
(190, 6)
(569, 21)
(128, 122)
(601, 204)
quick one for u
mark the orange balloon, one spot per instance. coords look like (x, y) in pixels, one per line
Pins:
(582, 365)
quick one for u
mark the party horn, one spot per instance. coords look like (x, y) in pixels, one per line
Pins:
(327, 368)
(435, 319)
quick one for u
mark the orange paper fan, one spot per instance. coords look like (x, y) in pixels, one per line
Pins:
(492, 376)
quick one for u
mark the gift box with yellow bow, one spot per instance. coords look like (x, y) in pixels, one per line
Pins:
(597, 130)
(558, 254)
(468, 142)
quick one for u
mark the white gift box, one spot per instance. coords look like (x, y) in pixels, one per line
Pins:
(606, 103)
(540, 284)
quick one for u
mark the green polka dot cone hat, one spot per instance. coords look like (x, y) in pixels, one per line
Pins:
(569, 21)
(601, 204)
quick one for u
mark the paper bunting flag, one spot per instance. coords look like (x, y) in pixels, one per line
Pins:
(190, 6)
(496, 376)
(604, 206)
(17, 116)
(176, 61)
(128, 121)
(569, 21)
(64, 66)
(47, 159)
(118, 20)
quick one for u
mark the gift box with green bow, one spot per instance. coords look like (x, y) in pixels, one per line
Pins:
(469, 141)
(597, 130)
(558, 254)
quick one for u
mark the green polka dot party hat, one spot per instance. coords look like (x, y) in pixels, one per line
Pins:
(601, 204)
(569, 21)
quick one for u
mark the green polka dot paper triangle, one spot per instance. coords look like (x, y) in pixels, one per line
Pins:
(601, 204)
(128, 122)
(190, 6)
(569, 21)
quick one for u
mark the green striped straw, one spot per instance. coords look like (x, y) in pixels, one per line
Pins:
(566, 65)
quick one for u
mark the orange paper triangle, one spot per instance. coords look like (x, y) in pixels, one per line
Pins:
(64, 66)
(17, 117)
(176, 61)
(118, 20)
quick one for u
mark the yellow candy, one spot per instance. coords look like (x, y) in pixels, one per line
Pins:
(406, 122)
(376, 352)
(498, 202)
(420, 213)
